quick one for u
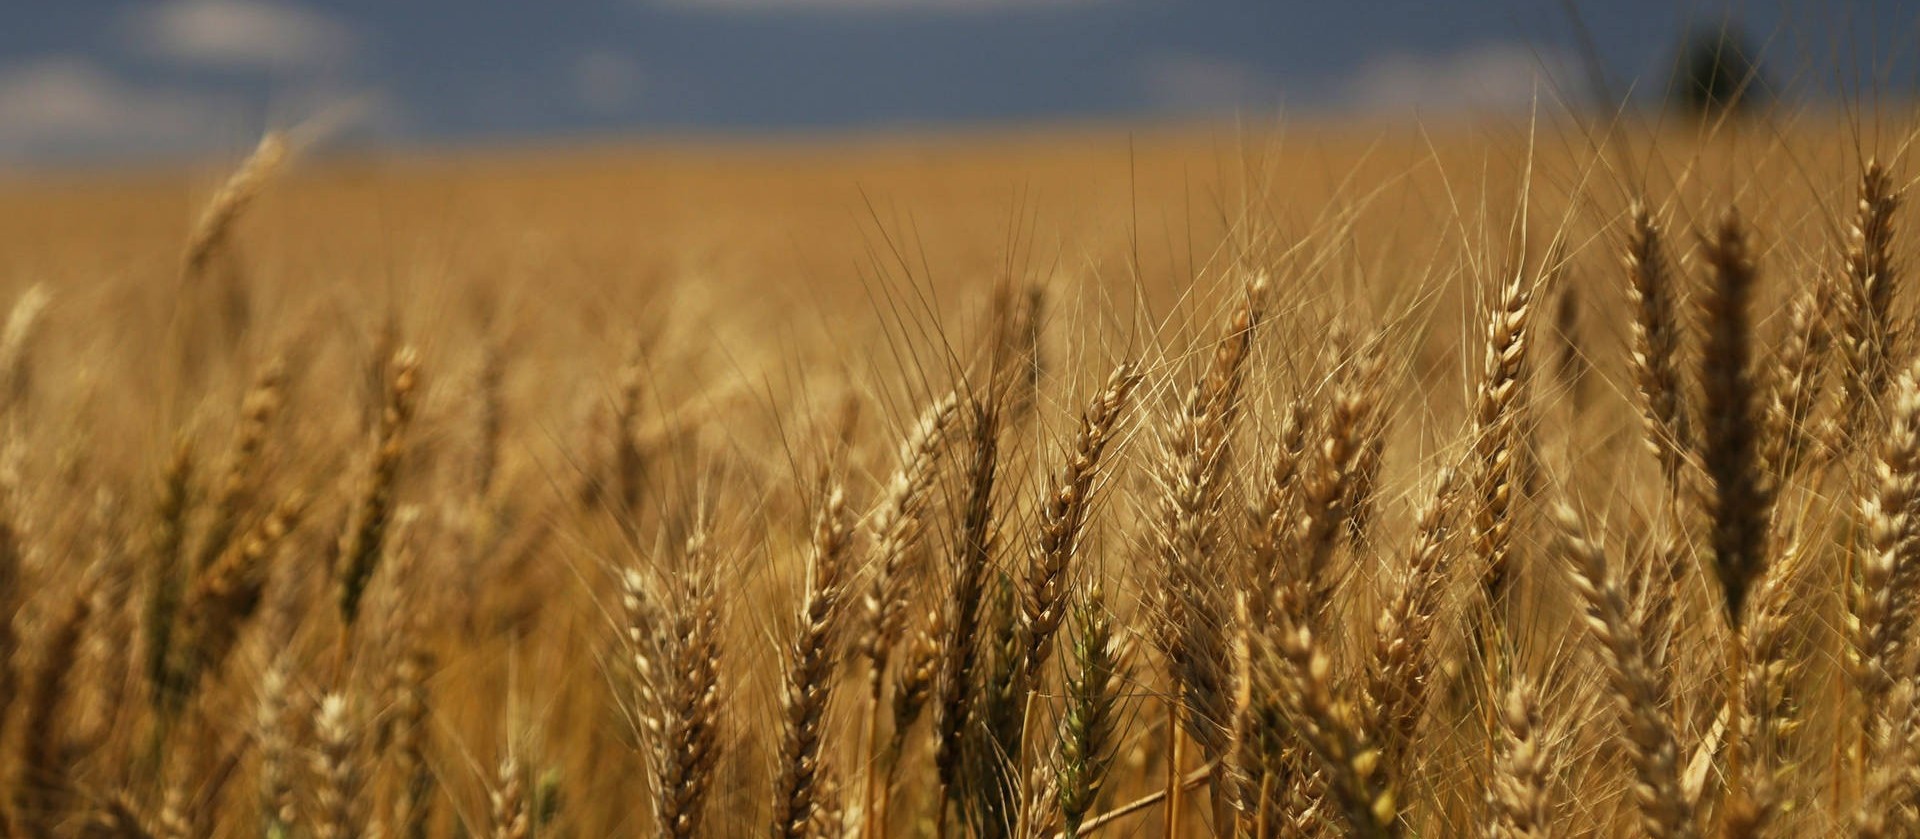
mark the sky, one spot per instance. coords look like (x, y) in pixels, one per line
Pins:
(117, 80)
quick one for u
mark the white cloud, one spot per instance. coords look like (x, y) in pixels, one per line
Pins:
(1490, 77)
(63, 106)
(241, 34)
(1193, 84)
(870, 6)
(606, 82)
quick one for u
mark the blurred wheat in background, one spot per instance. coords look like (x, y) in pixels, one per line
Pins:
(1525, 477)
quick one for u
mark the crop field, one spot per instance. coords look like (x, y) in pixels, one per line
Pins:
(1524, 478)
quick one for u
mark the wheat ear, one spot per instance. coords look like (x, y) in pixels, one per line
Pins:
(1869, 338)
(1063, 514)
(1640, 690)
(1522, 771)
(1767, 720)
(960, 620)
(1880, 619)
(226, 595)
(362, 545)
(258, 409)
(1882, 810)
(1497, 435)
(24, 322)
(509, 800)
(42, 791)
(1400, 672)
(1295, 670)
(1738, 495)
(211, 231)
(1654, 344)
(276, 750)
(897, 526)
(1802, 363)
(688, 705)
(1353, 429)
(1277, 509)
(165, 578)
(337, 768)
(799, 789)
(1193, 613)
(1088, 728)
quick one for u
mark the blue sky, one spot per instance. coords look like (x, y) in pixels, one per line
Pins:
(106, 79)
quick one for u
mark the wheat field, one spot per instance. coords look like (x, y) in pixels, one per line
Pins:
(1513, 478)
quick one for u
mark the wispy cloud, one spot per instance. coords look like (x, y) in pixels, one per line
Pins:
(1485, 78)
(1200, 85)
(871, 6)
(241, 34)
(67, 106)
(64, 107)
(606, 82)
